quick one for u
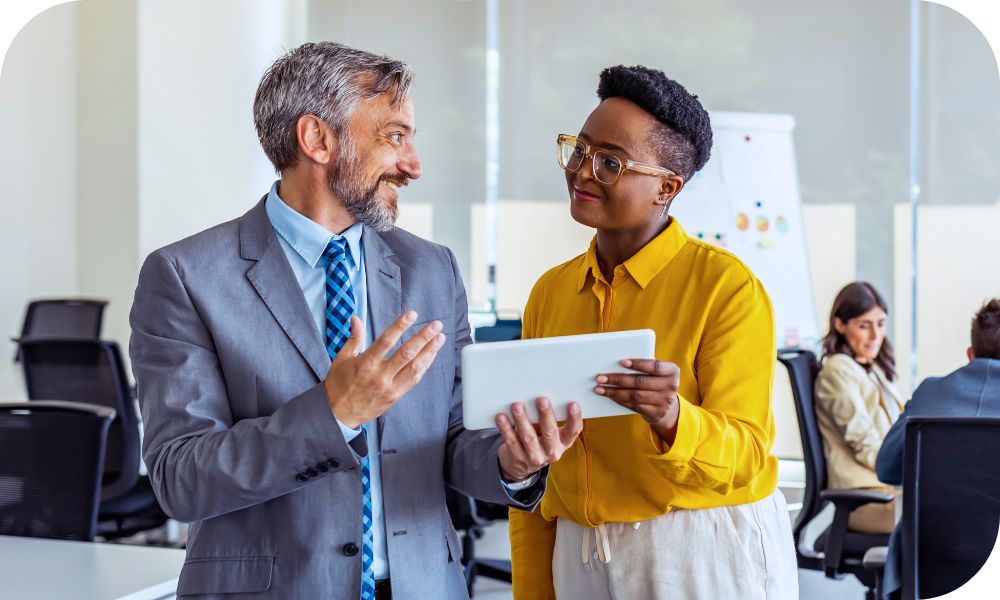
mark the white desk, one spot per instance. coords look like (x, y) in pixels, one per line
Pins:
(54, 569)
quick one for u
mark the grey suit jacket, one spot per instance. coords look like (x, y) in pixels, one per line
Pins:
(241, 442)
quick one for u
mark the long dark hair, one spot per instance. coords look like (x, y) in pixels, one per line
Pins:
(854, 300)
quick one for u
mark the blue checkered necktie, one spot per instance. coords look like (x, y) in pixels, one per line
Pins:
(340, 306)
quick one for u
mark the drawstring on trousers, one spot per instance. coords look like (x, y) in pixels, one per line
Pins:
(601, 543)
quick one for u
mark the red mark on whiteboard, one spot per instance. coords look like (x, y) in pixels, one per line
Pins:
(746, 138)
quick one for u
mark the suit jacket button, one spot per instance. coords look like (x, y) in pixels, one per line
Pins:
(334, 463)
(311, 472)
(322, 467)
(350, 549)
(302, 478)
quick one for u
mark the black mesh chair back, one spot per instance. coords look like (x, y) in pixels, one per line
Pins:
(501, 331)
(51, 456)
(92, 372)
(951, 501)
(802, 369)
(63, 318)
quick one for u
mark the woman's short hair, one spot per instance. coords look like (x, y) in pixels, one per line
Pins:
(683, 142)
(986, 330)
(854, 300)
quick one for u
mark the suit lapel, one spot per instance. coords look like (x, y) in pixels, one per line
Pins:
(385, 292)
(275, 282)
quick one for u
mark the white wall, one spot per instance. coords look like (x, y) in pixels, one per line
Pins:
(200, 162)
(956, 262)
(38, 214)
(106, 154)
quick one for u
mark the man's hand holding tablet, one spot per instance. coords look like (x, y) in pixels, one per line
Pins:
(528, 447)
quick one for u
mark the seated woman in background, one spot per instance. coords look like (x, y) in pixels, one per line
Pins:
(678, 500)
(856, 401)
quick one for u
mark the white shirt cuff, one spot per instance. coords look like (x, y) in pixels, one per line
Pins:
(517, 486)
(349, 434)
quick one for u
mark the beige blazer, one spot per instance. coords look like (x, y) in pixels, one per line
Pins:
(855, 408)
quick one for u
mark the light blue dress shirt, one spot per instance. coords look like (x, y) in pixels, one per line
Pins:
(304, 242)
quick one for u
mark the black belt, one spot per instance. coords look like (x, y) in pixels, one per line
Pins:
(383, 590)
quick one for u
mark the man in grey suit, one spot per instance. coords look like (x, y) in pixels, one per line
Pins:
(309, 466)
(971, 391)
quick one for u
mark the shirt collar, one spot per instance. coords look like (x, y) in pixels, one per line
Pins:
(645, 264)
(308, 238)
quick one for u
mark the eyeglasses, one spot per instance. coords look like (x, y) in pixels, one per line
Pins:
(608, 166)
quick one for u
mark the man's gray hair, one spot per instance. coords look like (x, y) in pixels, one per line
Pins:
(323, 79)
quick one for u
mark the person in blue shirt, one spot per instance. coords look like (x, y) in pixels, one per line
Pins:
(971, 391)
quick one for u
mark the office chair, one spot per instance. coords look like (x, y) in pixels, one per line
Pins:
(951, 503)
(503, 330)
(468, 521)
(51, 458)
(92, 371)
(63, 318)
(837, 551)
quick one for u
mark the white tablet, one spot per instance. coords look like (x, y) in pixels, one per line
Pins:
(563, 369)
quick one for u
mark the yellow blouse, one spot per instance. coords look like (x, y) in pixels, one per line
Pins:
(714, 320)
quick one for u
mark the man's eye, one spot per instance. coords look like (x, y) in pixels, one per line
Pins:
(396, 137)
(578, 151)
(611, 163)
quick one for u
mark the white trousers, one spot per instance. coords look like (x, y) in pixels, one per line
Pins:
(740, 552)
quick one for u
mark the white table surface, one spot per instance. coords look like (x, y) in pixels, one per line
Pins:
(42, 569)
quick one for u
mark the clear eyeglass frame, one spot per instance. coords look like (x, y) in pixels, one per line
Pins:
(572, 143)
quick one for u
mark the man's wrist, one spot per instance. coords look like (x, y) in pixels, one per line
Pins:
(516, 486)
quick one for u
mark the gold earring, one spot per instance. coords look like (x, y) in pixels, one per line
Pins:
(665, 205)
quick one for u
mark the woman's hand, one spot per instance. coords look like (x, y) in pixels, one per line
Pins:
(652, 393)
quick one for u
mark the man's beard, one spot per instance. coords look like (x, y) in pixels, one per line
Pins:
(362, 200)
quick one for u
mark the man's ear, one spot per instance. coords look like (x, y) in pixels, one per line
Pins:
(970, 353)
(316, 139)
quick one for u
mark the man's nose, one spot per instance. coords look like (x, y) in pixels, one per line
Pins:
(409, 163)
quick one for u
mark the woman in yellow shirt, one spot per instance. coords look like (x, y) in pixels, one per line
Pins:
(679, 500)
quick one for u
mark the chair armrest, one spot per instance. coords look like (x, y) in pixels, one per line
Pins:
(874, 559)
(844, 501)
(852, 499)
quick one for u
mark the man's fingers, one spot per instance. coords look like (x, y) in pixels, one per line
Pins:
(548, 429)
(573, 426)
(510, 437)
(355, 343)
(385, 342)
(651, 366)
(408, 352)
(526, 434)
(410, 373)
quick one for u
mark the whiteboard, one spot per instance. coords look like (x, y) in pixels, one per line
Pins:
(746, 199)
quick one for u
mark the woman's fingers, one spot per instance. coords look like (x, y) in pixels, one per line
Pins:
(631, 396)
(651, 366)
